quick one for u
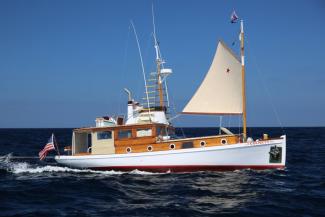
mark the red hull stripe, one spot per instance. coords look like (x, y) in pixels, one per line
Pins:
(189, 168)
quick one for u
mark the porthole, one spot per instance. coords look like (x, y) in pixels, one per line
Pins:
(128, 149)
(149, 148)
(172, 146)
(202, 143)
(224, 141)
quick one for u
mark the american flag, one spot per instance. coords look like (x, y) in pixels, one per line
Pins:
(233, 17)
(48, 147)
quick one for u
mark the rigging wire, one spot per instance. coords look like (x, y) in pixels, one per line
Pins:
(266, 89)
(178, 114)
(124, 65)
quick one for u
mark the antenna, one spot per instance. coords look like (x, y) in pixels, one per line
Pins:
(162, 73)
(143, 71)
(158, 63)
(154, 33)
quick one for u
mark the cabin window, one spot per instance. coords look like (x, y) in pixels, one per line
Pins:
(161, 131)
(128, 150)
(104, 135)
(203, 143)
(224, 141)
(124, 134)
(171, 131)
(149, 148)
(144, 132)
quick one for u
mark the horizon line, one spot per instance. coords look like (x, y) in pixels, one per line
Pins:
(4, 128)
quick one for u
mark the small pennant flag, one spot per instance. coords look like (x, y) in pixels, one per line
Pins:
(233, 17)
(48, 147)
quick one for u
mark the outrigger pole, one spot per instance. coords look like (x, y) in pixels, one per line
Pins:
(243, 78)
(143, 71)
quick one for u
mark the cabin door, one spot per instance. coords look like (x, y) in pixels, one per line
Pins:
(89, 142)
(103, 142)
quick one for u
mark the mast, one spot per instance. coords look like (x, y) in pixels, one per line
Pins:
(243, 78)
(158, 62)
(160, 85)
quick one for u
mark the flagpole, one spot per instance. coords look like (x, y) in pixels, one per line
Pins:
(243, 78)
(56, 145)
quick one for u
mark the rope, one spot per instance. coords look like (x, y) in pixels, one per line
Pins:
(176, 116)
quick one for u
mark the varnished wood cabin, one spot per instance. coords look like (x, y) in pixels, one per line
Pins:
(135, 138)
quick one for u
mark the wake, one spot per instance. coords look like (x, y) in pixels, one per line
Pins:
(8, 164)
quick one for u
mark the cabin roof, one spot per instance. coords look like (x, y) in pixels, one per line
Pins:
(128, 126)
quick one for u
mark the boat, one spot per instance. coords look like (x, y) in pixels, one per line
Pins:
(145, 138)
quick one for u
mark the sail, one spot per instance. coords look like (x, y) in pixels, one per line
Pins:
(221, 90)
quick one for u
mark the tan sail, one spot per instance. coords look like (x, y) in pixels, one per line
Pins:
(221, 90)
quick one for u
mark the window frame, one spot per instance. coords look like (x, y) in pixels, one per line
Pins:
(147, 128)
(103, 132)
(129, 135)
(162, 131)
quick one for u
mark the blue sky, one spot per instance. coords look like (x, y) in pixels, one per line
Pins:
(63, 63)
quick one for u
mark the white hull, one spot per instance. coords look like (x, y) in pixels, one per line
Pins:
(254, 155)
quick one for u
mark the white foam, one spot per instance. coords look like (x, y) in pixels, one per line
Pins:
(18, 168)
(24, 167)
(139, 172)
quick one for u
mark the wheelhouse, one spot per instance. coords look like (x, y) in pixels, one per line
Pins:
(117, 139)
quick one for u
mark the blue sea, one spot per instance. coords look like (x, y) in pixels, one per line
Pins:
(29, 187)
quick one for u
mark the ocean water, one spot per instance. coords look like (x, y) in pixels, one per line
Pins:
(29, 187)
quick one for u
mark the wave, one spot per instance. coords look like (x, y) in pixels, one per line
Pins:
(140, 172)
(24, 167)
(7, 164)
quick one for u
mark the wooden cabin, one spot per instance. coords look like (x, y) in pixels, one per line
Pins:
(123, 139)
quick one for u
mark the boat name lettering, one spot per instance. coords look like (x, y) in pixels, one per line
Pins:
(257, 142)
